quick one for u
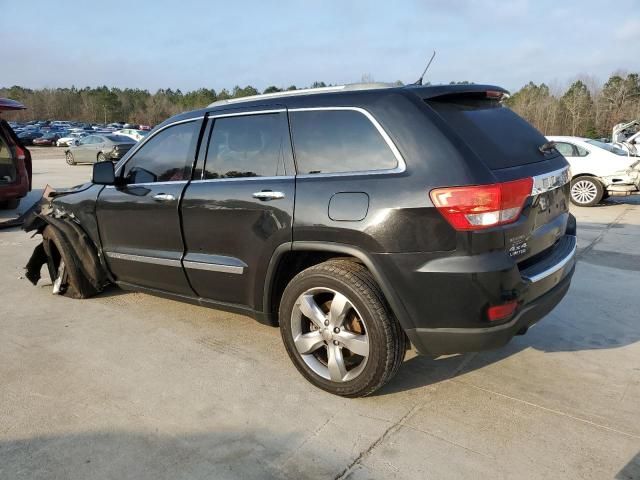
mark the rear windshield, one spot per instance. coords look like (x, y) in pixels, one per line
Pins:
(608, 147)
(495, 133)
(119, 138)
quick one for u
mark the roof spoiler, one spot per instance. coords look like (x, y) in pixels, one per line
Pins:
(435, 91)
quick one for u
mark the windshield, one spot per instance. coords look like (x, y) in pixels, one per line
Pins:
(607, 147)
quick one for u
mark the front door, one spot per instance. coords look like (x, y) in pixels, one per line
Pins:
(139, 221)
(241, 208)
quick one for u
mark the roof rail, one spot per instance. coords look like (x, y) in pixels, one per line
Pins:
(305, 91)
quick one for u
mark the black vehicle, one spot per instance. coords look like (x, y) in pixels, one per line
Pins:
(27, 137)
(358, 219)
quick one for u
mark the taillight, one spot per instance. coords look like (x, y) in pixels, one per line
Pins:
(482, 206)
(20, 155)
(500, 312)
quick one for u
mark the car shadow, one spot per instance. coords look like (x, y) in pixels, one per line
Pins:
(145, 455)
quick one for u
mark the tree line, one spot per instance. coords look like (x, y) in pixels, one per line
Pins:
(585, 108)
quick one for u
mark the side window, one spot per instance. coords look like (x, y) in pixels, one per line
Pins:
(330, 141)
(566, 149)
(86, 140)
(582, 152)
(248, 146)
(164, 158)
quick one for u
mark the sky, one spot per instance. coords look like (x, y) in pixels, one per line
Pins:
(189, 44)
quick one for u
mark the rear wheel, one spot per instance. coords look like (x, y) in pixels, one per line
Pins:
(339, 331)
(69, 158)
(586, 191)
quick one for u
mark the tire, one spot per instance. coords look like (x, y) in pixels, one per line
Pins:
(102, 157)
(366, 325)
(586, 191)
(64, 269)
(10, 204)
(68, 156)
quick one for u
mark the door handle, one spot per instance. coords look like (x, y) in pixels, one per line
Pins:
(267, 195)
(164, 197)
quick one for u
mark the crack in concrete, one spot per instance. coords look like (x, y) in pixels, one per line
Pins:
(586, 250)
(547, 409)
(344, 474)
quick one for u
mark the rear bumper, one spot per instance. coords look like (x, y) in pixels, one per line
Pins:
(442, 341)
(447, 302)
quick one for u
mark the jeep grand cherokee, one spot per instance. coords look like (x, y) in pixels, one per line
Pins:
(361, 220)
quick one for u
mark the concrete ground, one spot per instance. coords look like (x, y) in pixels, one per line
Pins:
(127, 385)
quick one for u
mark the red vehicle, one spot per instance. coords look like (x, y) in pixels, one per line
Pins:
(15, 161)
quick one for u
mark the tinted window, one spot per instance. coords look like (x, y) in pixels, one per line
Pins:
(164, 158)
(496, 134)
(565, 149)
(249, 146)
(328, 141)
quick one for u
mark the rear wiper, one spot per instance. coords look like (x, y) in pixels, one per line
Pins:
(547, 148)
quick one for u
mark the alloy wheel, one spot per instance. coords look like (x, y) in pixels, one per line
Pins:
(329, 334)
(584, 191)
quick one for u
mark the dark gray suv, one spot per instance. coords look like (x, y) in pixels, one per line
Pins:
(361, 220)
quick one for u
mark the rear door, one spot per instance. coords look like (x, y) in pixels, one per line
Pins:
(139, 221)
(240, 209)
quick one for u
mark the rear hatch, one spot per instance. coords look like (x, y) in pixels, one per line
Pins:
(15, 159)
(511, 149)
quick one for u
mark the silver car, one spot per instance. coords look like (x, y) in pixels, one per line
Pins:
(98, 148)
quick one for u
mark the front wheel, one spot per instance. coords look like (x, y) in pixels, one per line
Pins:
(69, 158)
(586, 191)
(102, 157)
(339, 331)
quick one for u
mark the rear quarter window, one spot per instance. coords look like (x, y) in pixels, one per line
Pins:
(500, 137)
(338, 141)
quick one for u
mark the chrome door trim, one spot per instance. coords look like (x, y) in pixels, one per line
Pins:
(551, 180)
(236, 179)
(214, 267)
(167, 262)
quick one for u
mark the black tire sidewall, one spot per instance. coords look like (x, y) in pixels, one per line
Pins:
(102, 157)
(377, 345)
(69, 158)
(599, 189)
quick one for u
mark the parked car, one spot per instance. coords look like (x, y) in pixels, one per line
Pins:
(48, 139)
(407, 216)
(15, 161)
(28, 136)
(70, 138)
(98, 148)
(598, 169)
(132, 133)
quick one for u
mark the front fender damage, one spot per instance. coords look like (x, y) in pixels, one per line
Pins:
(73, 261)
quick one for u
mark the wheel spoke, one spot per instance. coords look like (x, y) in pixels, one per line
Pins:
(337, 370)
(340, 305)
(308, 342)
(312, 311)
(358, 344)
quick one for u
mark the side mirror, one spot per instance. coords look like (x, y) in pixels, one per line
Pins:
(104, 173)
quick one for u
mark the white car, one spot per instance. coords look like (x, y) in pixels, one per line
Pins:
(598, 169)
(69, 139)
(137, 135)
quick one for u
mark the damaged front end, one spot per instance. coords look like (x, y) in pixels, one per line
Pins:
(69, 248)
